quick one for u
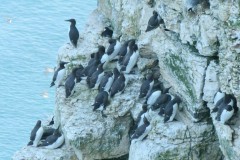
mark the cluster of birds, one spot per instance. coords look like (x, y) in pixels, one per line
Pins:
(225, 105)
(46, 137)
(158, 100)
(112, 82)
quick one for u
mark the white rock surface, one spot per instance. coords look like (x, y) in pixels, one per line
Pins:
(33, 153)
(199, 55)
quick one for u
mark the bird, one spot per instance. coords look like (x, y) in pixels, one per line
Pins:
(118, 85)
(225, 109)
(218, 99)
(113, 48)
(146, 86)
(142, 131)
(79, 73)
(59, 74)
(132, 61)
(106, 81)
(164, 98)
(171, 109)
(116, 74)
(141, 115)
(73, 32)
(97, 56)
(162, 102)
(90, 69)
(95, 78)
(36, 134)
(70, 82)
(48, 131)
(123, 51)
(107, 32)
(51, 122)
(101, 101)
(191, 4)
(154, 22)
(53, 141)
(153, 96)
(128, 54)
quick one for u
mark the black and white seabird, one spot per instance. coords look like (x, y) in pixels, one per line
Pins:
(96, 77)
(101, 101)
(162, 100)
(145, 113)
(97, 56)
(155, 21)
(118, 85)
(128, 54)
(153, 96)
(142, 131)
(90, 69)
(191, 4)
(51, 122)
(225, 109)
(59, 74)
(107, 32)
(171, 109)
(146, 86)
(70, 82)
(116, 74)
(123, 50)
(106, 81)
(218, 99)
(48, 131)
(79, 73)
(73, 32)
(113, 48)
(139, 117)
(36, 134)
(132, 61)
(53, 141)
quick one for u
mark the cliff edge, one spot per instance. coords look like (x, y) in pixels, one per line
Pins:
(197, 57)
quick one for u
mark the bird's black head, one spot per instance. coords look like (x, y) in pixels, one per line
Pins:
(73, 21)
(145, 120)
(74, 70)
(115, 71)
(56, 131)
(107, 29)
(155, 13)
(38, 123)
(101, 49)
(166, 90)
(122, 77)
(61, 64)
(111, 41)
(177, 99)
(134, 47)
(131, 44)
(100, 66)
(144, 107)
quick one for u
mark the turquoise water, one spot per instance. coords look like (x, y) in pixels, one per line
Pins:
(31, 33)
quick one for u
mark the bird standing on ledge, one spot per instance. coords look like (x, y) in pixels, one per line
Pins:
(73, 32)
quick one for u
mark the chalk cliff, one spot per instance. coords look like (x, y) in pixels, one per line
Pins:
(199, 55)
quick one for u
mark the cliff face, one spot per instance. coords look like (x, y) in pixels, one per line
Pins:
(199, 55)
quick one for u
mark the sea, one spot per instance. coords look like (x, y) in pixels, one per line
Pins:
(31, 32)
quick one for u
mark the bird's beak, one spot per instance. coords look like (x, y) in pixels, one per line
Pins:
(68, 20)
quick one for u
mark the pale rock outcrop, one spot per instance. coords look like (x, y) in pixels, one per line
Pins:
(33, 153)
(199, 55)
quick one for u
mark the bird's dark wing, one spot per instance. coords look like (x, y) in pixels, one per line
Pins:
(111, 48)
